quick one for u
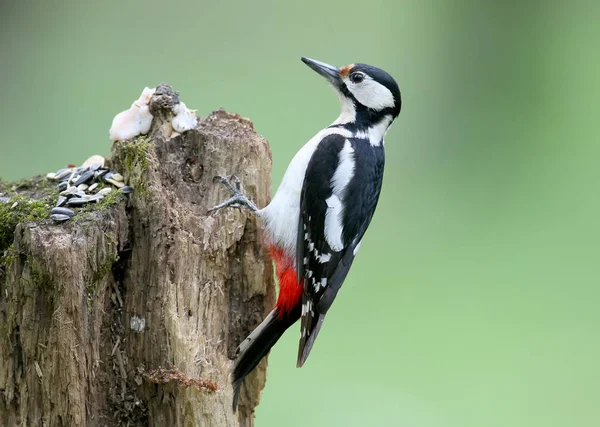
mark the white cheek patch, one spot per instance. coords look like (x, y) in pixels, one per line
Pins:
(371, 94)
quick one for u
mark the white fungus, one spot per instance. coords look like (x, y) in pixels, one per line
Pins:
(137, 324)
(185, 119)
(134, 121)
(137, 119)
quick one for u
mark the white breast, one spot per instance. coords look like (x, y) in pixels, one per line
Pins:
(280, 217)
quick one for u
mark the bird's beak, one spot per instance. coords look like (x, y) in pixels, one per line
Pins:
(330, 72)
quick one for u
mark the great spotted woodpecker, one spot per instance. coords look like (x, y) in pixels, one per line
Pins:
(315, 223)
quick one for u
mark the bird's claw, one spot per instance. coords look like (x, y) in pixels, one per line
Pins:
(238, 199)
(237, 183)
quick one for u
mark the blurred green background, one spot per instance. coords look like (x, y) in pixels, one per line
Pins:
(475, 299)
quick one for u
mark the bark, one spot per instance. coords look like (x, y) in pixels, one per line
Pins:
(131, 315)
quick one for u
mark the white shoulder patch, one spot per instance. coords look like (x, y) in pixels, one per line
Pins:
(345, 170)
(334, 224)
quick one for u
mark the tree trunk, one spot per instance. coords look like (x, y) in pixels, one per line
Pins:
(130, 315)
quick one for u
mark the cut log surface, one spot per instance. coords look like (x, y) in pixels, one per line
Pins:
(131, 315)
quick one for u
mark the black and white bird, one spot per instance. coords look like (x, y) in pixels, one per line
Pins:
(316, 220)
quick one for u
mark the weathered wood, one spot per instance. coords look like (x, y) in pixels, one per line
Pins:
(90, 309)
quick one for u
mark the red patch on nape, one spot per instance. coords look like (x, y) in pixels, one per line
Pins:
(344, 71)
(290, 291)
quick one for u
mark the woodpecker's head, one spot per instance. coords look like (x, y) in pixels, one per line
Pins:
(367, 94)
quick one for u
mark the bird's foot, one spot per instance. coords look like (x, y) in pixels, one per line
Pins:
(237, 199)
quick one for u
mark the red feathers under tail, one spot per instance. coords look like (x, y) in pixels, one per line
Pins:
(290, 292)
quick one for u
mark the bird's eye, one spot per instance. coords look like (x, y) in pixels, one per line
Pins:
(357, 77)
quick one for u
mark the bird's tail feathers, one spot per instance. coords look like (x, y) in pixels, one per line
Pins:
(309, 332)
(254, 348)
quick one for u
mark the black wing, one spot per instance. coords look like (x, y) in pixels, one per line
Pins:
(321, 267)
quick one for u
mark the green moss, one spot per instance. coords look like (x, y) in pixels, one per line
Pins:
(135, 159)
(6, 259)
(30, 200)
(104, 269)
(83, 216)
(39, 278)
(36, 187)
(98, 275)
(9, 255)
(19, 209)
(136, 154)
(111, 199)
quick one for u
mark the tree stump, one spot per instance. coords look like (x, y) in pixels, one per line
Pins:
(130, 315)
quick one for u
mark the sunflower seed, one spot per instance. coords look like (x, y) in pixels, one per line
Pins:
(69, 191)
(127, 189)
(76, 201)
(93, 186)
(100, 172)
(96, 198)
(115, 183)
(62, 186)
(117, 177)
(63, 211)
(82, 187)
(60, 217)
(63, 173)
(61, 201)
(72, 176)
(105, 191)
(84, 178)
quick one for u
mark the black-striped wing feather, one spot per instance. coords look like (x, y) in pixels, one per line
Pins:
(322, 269)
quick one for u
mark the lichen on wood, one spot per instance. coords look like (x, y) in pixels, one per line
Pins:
(91, 307)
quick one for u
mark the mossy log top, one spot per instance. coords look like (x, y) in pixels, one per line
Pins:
(131, 313)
